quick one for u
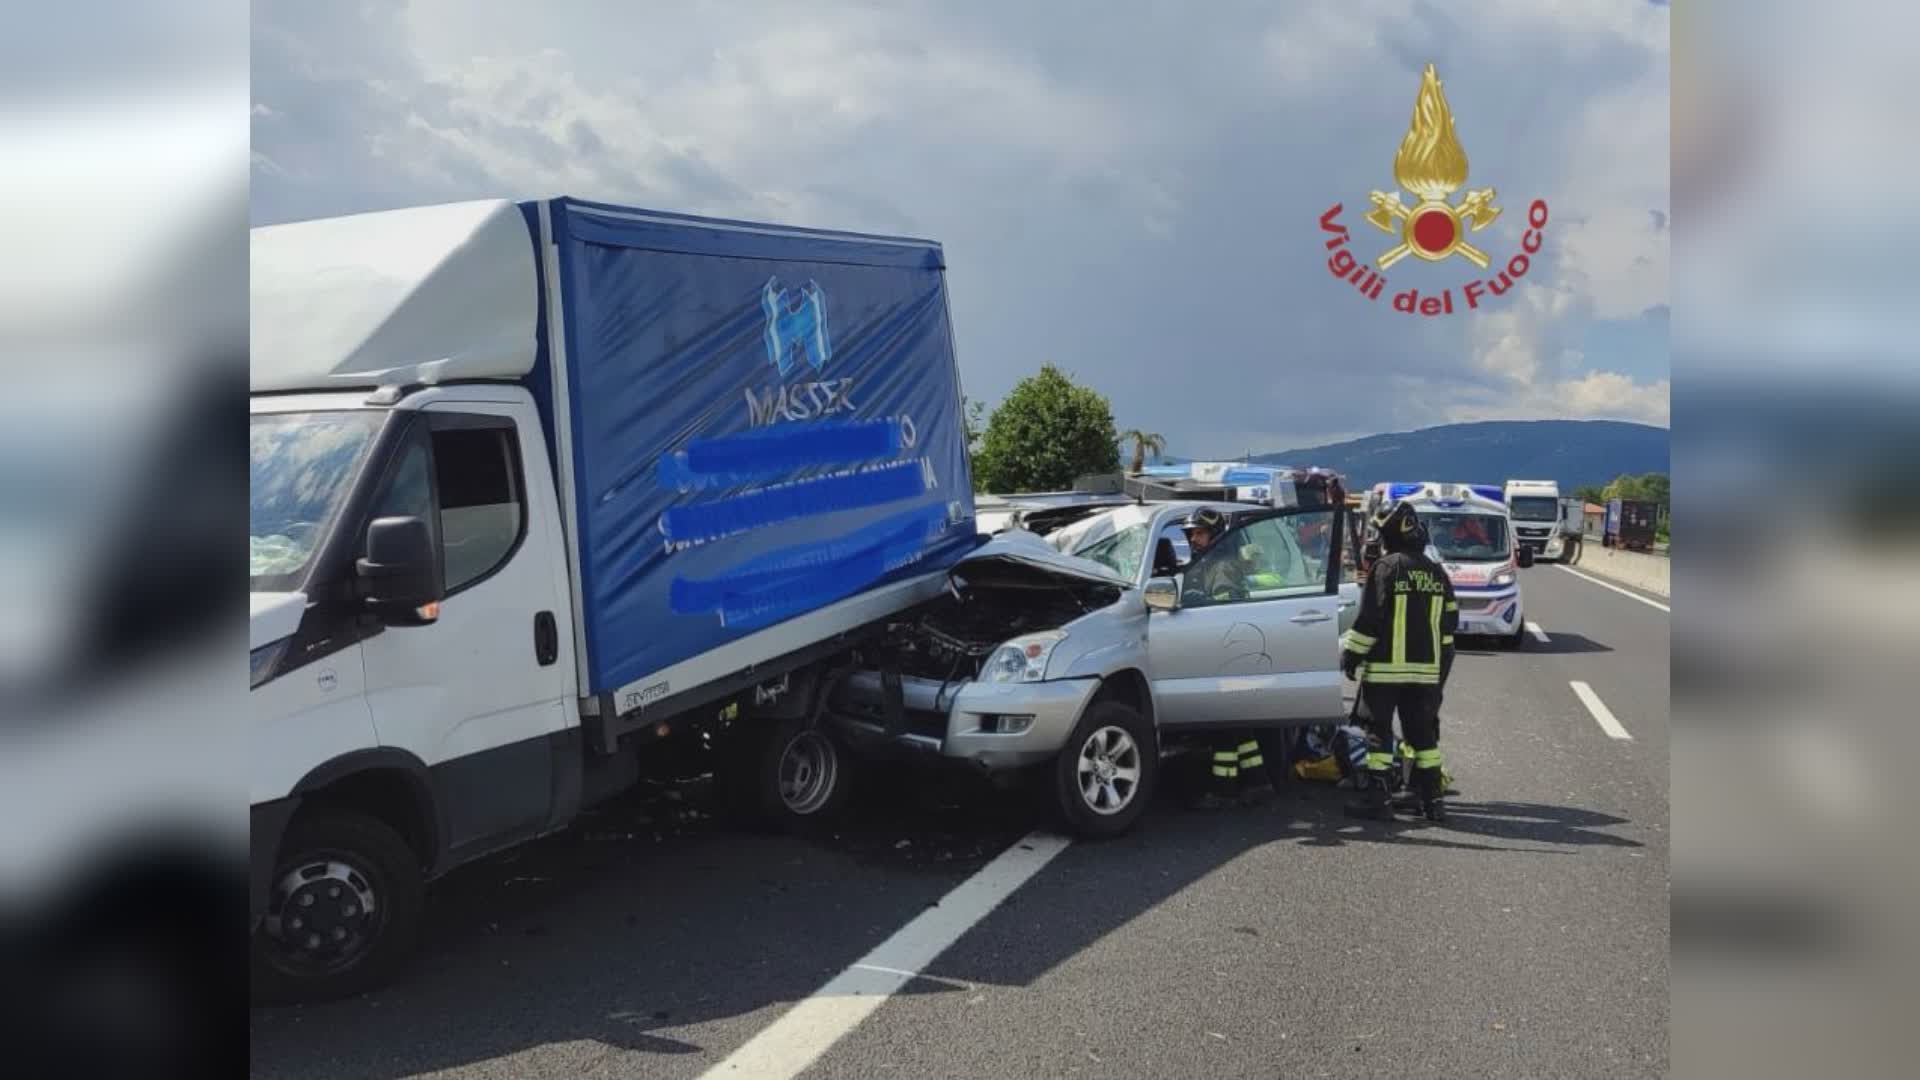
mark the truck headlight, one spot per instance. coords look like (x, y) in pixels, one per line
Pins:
(1502, 579)
(1024, 659)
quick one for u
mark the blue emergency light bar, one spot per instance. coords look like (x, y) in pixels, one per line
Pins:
(1250, 476)
(1430, 493)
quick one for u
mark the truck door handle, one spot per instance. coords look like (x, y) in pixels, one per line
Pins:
(1310, 617)
(546, 638)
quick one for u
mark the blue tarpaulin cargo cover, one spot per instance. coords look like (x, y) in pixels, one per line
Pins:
(751, 423)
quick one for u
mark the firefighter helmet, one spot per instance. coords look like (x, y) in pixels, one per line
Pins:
(1400, 528)
(1211, 520)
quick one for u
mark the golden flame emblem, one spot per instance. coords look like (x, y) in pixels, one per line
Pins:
(1431, 164)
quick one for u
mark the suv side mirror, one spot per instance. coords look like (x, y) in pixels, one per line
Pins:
(400, 574)
(1524, 556)
(1162, 594)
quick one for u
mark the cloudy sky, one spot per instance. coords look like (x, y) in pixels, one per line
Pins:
(1129, 190)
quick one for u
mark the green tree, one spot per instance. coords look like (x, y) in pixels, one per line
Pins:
(1144, 443)
(1648, 487)
(1045, 434)
(1591, 493)
(970, 411)
(1654, 487)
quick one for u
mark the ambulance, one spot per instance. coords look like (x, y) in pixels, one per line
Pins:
(1470, 532)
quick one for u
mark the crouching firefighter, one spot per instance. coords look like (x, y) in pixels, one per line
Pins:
(1401, 648)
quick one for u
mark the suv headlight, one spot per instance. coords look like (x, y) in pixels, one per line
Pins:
(1024, 659)
(1502, 578)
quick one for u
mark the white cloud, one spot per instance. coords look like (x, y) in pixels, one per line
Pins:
(1534, 327)
(1609, 394)
(1611, 208)
(1132, 199)
(1596, 395)
(1534, 369)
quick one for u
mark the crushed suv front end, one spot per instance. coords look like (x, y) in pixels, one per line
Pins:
(997, 672)
(991, 726)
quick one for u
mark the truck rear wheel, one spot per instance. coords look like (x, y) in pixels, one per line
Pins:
(1107, 771)
(344, 912)
(790, 778)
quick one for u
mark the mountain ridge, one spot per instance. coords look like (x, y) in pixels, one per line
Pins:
(1570, 452)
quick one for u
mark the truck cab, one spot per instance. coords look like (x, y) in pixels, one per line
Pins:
(408, 587)
(1538, 523)
(414, 691)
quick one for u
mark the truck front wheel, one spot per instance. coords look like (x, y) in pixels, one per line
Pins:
(1106, 772)
(344, 912)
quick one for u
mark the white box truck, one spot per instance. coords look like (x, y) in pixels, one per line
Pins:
(538, 490)
(1538, 523)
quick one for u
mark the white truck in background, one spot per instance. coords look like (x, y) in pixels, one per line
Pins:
(1539, 523)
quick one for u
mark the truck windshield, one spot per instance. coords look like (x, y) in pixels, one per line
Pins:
(1535, 508)
(1466, 537)
(301, 467)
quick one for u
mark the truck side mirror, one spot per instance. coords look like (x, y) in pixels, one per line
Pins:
(400, 575)
(1524, 556)
(1162, 594)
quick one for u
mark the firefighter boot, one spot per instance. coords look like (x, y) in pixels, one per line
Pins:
(1432, 789)
(1375, 802)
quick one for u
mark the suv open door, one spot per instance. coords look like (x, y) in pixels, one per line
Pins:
(1254, 637)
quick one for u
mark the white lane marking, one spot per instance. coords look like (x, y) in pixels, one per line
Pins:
(1618, 589)
(1539, 635)
(796, 1040)
(1601, 714)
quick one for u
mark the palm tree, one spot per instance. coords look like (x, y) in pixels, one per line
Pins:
(1143, 443)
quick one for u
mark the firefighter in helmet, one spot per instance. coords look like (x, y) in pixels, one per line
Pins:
(1400, 648)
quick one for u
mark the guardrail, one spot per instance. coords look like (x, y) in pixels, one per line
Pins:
(1638, 569)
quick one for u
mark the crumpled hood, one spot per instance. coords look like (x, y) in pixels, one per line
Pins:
(1027, 549)
(272, 616)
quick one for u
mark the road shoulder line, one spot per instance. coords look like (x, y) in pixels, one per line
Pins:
(1618, 589)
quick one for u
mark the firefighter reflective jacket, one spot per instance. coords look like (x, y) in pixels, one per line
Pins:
(1407, 617)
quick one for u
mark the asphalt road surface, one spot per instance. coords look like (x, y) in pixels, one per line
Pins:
(1526, 938)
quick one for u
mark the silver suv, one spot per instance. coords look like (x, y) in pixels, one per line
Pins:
(1088, 652)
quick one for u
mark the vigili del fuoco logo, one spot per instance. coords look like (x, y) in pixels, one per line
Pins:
(1431, 166)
